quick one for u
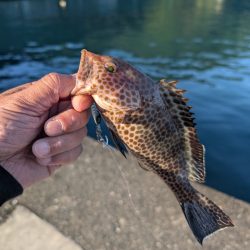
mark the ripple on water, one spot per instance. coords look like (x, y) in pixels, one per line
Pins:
(33, 47)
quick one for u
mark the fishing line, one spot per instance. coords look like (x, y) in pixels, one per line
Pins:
(136, 210)
(125, 181)
(103, 139)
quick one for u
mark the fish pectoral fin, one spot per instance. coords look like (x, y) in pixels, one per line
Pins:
(118, 143)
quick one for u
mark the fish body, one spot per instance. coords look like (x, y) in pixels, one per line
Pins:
(156, 125)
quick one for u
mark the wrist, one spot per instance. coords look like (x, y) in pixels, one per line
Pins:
(13, 167)
(9, 186)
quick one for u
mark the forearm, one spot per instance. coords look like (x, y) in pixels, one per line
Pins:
(9, 186)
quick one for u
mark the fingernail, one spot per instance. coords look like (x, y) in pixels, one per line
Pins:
(42, 148)
(54, 127)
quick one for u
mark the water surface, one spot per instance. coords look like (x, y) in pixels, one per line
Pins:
(203, 44)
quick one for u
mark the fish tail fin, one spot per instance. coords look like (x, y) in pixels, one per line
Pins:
(203, 216)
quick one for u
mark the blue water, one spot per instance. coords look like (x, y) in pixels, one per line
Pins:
(203, 44)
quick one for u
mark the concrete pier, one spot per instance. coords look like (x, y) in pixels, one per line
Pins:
(105, 202)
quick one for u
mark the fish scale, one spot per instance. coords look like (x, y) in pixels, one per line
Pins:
(155, 124)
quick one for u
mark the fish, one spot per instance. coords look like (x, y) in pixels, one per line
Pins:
(155, 124)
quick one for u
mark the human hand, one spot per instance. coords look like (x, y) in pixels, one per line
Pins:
(41, 128)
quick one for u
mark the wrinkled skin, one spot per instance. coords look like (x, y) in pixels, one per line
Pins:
(41, 128)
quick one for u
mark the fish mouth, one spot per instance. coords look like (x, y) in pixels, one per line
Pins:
(85, 67)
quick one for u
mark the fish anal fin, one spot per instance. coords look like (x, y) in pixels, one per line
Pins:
(194, 154)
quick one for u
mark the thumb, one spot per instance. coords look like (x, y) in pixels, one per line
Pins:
(60, 85)
(44, 93)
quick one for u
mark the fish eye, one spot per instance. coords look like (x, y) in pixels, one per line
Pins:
(110, 67)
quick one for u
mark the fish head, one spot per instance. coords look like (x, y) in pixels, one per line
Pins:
(114, 84)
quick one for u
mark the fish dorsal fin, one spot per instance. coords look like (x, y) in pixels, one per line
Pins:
(183, 119)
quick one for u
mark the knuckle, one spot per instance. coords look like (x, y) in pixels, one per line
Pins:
(78, 120)
(52, 80)
(52, 76)
(56, 145)
(68, 122)
(82, 120)
(74, 119)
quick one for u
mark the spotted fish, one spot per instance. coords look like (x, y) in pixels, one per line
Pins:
(157, 127)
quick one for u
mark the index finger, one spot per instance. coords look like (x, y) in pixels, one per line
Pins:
(66, 122)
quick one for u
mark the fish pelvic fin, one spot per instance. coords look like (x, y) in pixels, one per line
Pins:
(204, 217)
